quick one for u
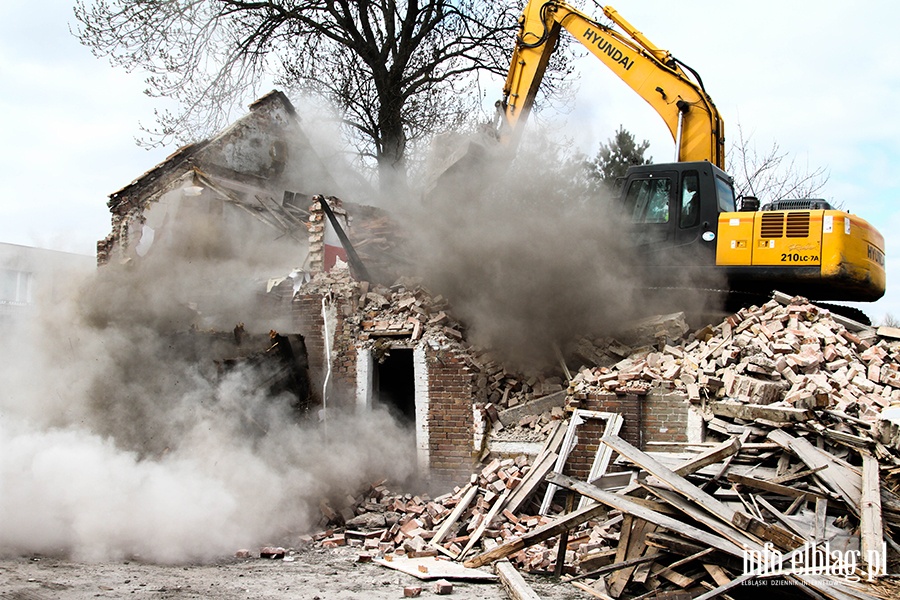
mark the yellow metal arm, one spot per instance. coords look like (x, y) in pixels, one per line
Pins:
(651, 72)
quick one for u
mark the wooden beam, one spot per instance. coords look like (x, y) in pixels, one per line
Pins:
(631, 562)
(840, 479)
(871, 531)
(678, 483)
(510, 578)
(540, 534)
(768, 486)
(626, 505)
(713, 455)
(533, 478)
(454, 516)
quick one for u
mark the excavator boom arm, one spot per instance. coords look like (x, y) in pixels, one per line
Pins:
(651, 72)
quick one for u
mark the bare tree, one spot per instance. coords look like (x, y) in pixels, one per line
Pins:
(771, 175)
(395, 70)
(889, 320)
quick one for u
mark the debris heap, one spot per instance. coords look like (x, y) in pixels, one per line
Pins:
(786, 353)
(795, 481)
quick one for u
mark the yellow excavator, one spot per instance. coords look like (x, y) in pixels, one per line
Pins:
(685, 213)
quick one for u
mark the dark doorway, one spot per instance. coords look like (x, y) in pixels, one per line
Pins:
(395, 385)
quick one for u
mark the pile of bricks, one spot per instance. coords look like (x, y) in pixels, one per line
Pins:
(417, 525)
(786, 352)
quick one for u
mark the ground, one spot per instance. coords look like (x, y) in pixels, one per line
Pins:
(315, 573)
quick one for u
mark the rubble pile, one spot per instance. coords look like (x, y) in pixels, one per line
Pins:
(702, 517)
(795, 480)
(786, 352)
(417, 525)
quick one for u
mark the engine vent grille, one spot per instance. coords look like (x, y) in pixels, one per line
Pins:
(799, 204)
(772, 225)
(798, 225)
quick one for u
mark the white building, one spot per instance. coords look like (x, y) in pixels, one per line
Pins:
(29, 276)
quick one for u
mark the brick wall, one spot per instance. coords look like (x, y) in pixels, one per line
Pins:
(450, 420)
(450, 387)
(650, 418)
(307, 316)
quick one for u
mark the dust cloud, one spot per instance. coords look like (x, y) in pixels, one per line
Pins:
(531, 253)
(116, 444)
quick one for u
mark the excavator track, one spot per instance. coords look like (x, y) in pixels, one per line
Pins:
(846, 311)
(732, 301)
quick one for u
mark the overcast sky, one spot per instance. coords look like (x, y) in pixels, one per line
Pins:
(817, 78)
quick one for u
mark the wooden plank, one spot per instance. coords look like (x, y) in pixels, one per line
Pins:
(591, 591)
(522, 492)
(632, 562)
(510, 578)
(513, 582)
(454, 516)
(717, 573)
(641, 573)
(672, 479)
(669, 573)
(839, 478)
(674, 576)
(787, 477)
(485, 523)
(428, 568)
(743, 440)
(783, 519)
(713, 455)
(636, 546)
(673, 544)
(626, 505)
(819, 527)
(726, 530)
(871, 530)
(785, 540)
(540, 534)
(555, 437)
(563, 543)
(795, 505)
(768, 486)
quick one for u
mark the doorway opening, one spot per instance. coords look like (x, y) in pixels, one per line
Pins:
(394, 385)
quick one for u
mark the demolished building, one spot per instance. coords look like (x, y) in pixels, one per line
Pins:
(778, 409)
(392, 343)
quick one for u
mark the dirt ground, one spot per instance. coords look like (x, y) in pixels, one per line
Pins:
(313, 574)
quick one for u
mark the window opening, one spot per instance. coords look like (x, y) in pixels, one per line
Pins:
(690, 200)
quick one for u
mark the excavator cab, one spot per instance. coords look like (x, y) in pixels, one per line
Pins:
(674, 209)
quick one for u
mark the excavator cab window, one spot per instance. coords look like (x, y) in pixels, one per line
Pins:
(647, 200)
(725, 193)
(690, 200)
